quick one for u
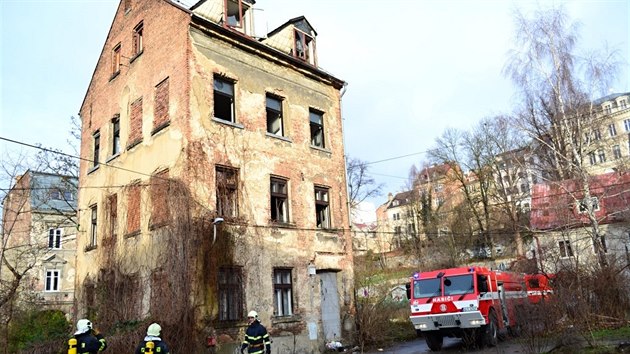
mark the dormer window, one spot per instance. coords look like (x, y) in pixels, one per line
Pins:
(303, 46)
(234, 15)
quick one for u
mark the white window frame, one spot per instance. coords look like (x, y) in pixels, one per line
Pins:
(283, 292)
(566, 251)
(54, 238)
(52, 280)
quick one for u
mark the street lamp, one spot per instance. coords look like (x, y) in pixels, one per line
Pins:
(214, 228)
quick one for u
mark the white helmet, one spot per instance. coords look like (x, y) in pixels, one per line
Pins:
(154, 330)
(83, 325)
(252, 314)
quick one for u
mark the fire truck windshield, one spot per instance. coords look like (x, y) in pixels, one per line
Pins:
(427, 288)
(458, 285)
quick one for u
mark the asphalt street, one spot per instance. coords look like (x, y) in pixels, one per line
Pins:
(451, 345)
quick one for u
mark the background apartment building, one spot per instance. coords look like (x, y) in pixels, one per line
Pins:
(213, 180)
(39, 233)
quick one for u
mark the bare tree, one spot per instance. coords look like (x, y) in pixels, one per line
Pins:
(361, 185)
(557, 110)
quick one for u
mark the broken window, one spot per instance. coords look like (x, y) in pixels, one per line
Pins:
(52, 280)
(115, 135)
(116, 60)
(93, 226)
(303, 45)
(230, 283)
(235, 13)
(227, 191)
(317, 128)
(96, 137)
(583, 204)
(54, 239)
(279, 200)
(224, 99)
(137, 39)
(565, 249)
(274, 115)
(322, 209)
(283, 292)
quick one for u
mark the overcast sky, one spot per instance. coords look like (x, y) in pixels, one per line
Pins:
(413, 67)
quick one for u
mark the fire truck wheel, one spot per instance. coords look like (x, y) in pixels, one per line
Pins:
(434, 340)
(491, 334)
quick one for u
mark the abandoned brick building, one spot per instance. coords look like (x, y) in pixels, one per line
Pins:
(213, 180)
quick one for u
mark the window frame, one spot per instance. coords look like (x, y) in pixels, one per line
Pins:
(307, 44)
(229, 96)
(92, 242)
(52, 280)
(283, 292)
(96, 145)
(317, 128)
(582, 208)
(115, 135)
(612, 129)
(616, 149)
(275, 197)
(566, 251)
(322, 208)
(138, 40)
(230, 293)
(241, 23)
(116, 59)
(230, 187)
(271, 111)
(54, 238)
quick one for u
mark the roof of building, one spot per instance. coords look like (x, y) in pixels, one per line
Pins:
(610, 97)
(53, 192)
(299, 22)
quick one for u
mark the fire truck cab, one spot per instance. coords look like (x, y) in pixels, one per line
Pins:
(476, 304)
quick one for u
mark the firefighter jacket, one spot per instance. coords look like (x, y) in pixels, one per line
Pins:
(89, 343)
(159, 346)
(256, 339)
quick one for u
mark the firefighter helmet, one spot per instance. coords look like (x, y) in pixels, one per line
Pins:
(154, 330)
(252, 314)
(83, 325)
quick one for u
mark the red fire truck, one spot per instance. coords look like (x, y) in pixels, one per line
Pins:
(476, 304)
(538, 287)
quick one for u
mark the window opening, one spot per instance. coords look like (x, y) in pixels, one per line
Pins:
(322, 209)
(116, 59)
(612, 129)
(93, 225)
(565, 249)
(224, 100)
(302, 45)
(116, 135)
(52, 280)
(274, 116)
(317, 128)
(138, 44)
(279, 200)
(283, 291)
(54, 239)
(230, 285)
(97, 147)
(227, 191)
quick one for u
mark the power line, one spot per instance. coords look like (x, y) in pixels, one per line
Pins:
(397, 157)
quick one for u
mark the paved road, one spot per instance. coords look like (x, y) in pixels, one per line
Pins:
(451, 345)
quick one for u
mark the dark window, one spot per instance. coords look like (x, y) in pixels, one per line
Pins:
(597, 134)
(317, 128)
(602, 240)
(54, 238)
(565, 249)
(227, 191)
(274, 116)
(55, 194)
(138, 46)
(115, 135)
(230, 281)
(279, 200)
(322, 209)
(93, 225)
(601, 155)
(612, 129)
(224, 100)
(583, 205)
(458, 285)
(97, 147)
(283, 292)
(52, 280)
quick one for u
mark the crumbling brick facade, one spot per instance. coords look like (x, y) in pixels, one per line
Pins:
(255, 217)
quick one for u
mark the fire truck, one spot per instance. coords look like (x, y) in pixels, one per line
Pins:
(539, 287)
(476, 304)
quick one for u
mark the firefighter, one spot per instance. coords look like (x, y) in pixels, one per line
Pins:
(89, 339)
(256, 337)
(153, 335)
